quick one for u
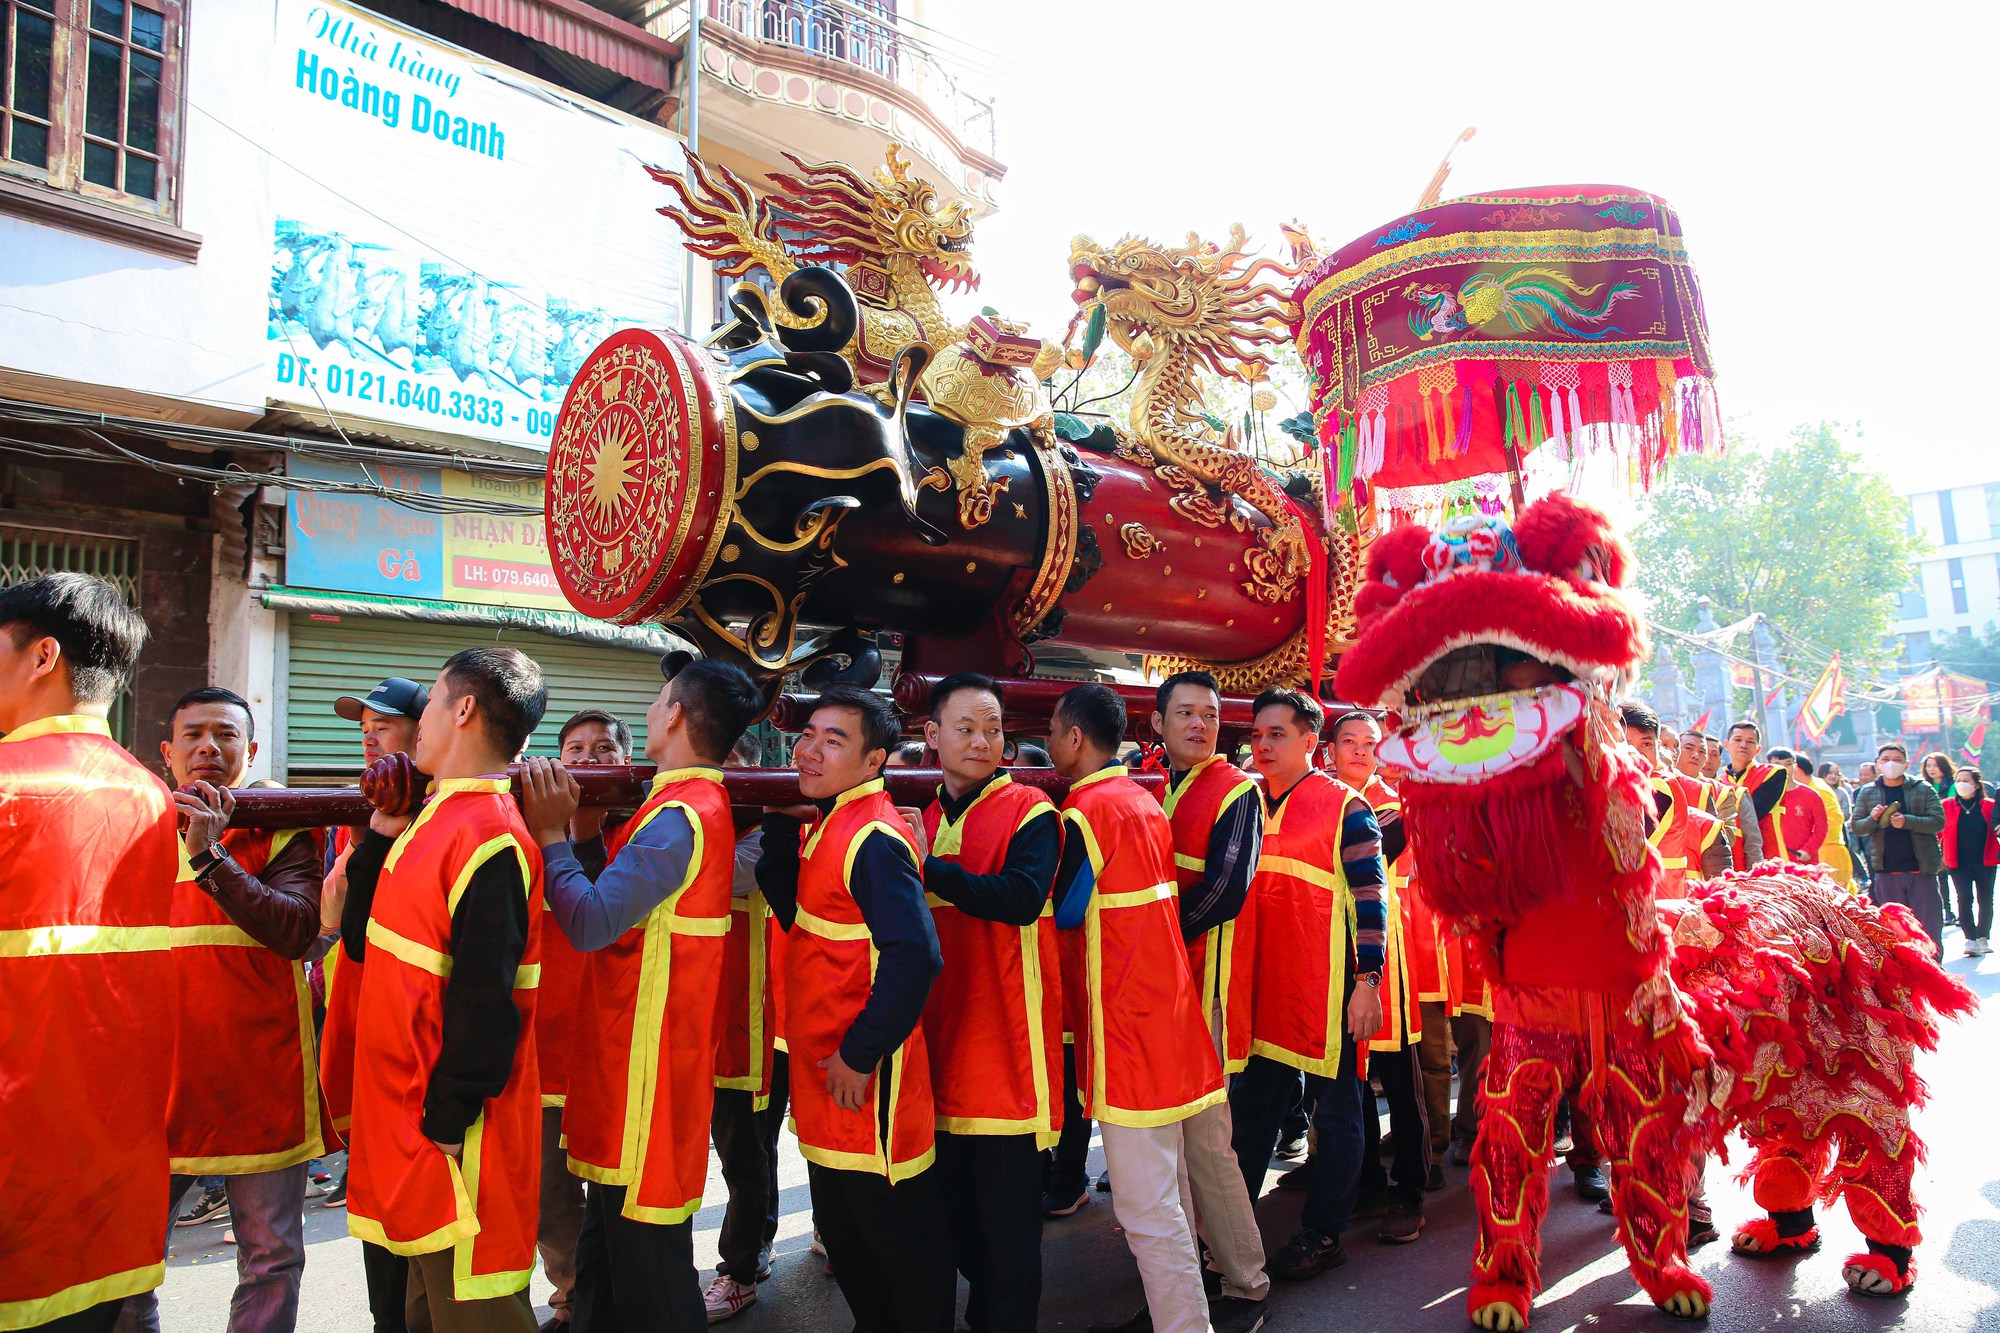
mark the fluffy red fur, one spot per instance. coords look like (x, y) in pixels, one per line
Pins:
(1558, 534)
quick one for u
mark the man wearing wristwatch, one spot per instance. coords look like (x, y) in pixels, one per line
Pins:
(1315, 995)
(244, 1100)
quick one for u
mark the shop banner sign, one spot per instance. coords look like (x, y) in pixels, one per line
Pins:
(349, 542)
(452, 237)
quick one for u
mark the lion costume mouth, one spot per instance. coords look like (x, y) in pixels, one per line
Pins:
(1478, 739)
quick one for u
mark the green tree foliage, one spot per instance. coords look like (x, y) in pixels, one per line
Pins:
(1800, 532)
(1972, 656)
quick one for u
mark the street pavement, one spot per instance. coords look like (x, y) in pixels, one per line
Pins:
(1089, 1275)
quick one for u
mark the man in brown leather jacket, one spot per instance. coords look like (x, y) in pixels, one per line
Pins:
(244, 1101)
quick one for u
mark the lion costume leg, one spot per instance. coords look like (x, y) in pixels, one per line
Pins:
(1640, 1107)
(1785, 1172)
(1526, 1070)
(1877, 1189)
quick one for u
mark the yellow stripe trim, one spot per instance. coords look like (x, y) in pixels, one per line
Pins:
(1112, 1115)
(71, 723)
(39, 1310)
(1137, 897)
(1186, 862)
(830, 930)
(48, 941)
(422, 956)
(198, 937)
(1305, 870)
(368, 1229)
(481, 854)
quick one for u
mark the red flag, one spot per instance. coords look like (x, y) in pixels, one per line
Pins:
(1772, 697)
(1974, 743)
(1700, 724)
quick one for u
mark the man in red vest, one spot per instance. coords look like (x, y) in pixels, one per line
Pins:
(1217, 816)
(446, 910)
(388, 717)
(1763, 786)
(88, 862)
(592, 737)
(651, 931)
(993, 1021)
(1317, 980)
(1145, 1056)
(246, 910)
(861, 953)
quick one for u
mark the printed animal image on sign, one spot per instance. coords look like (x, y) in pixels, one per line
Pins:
(452, 238)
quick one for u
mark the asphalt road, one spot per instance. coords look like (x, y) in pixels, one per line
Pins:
(1089, 1274)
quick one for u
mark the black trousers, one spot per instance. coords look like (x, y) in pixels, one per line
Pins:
(1975, 901)
(1402, 1087)
(98, 1318)
(889, 1247)
(992, 1186)
(1067, 1171)
(746, 1145)
(388, 1277)
(633, 1275)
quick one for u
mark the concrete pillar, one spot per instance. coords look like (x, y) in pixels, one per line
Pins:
(1777, 716)
(1711, 677)
(243, 644)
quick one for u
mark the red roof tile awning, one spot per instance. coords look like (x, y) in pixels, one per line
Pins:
(587, 33)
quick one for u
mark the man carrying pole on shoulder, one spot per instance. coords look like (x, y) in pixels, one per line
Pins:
(651, 930)
(88, 860)
(1145, 1056)
(993, 1022)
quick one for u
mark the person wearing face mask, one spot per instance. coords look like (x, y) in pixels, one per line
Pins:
(1970, 854)
(1902, 818)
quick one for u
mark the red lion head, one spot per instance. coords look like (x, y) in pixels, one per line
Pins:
(1493, 644)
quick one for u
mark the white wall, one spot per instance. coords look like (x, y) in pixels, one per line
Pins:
(97, 312)
(1978, 552)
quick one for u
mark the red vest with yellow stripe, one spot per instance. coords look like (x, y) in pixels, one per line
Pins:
(403, 1193)
(829, 970)
(1402, 1015)
(641, 1083)
(1223, 960)
(258, 1108)
(1471, 988)
(1305, 929)
(1769, 826)
(556, 1008)
(336, 1028)
(747, 1024)
(993, 1021)
(1144, 1053)
(1682, 834)
(88, 857)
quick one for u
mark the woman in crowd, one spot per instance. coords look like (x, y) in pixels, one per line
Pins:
(1970, 853)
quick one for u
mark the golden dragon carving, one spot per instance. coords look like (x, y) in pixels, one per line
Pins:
(900, 241)
(1181, 311)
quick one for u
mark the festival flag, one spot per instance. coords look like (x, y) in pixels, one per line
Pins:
(1742, 675)
(1824, 703)
(1700, 725)
(1974, 742)
(1772, 697)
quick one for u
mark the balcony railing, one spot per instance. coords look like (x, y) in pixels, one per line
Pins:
(864, 34)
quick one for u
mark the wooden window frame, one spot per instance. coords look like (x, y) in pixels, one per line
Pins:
(58, 195)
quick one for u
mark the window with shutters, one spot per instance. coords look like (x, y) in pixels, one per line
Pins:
(28, 552)
(90, 114)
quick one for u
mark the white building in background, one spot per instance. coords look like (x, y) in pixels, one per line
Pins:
(1954, 585)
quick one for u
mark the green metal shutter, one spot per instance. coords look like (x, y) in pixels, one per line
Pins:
(332, 656)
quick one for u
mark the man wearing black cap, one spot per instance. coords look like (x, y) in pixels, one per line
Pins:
(388, 716)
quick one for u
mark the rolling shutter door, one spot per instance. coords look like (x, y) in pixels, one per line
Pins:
(346, 655)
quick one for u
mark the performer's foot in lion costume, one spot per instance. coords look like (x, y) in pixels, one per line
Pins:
(1502, 650)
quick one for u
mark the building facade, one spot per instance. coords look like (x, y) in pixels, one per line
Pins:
(294, 290)
(1954, 586)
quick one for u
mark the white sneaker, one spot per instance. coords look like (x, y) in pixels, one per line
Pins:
(726, 1298)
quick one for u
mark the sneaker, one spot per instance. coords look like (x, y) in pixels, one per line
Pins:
(1291, 1150)
(1590, 1183)
(1461, 1152)
(722, 1268)
(725, 1298)
(212, 1206)
(337, 1196)
(1565, 1144)
(1298, 1178)
(1307, 1254)
(1234, 1314)
(1972, 949)
(1372, 1203)
(1435, 1181)
(1063, 1205)
(1141, 1322)
(1701, 1231)
(1104, 1183)
(1403, 1225)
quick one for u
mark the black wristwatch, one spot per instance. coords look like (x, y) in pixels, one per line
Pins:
(207, 859)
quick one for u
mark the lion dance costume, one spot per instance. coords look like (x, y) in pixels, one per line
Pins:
(1798, 1008)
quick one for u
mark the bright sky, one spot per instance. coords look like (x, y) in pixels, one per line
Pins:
(1831, 165)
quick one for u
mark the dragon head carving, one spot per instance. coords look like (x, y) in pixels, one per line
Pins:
(1200, 299)
(1500, 649)
(851, 219)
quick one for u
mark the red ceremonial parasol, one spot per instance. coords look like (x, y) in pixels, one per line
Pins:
(1449, 344)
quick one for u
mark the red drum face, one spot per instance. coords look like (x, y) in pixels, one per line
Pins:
(640, 478)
